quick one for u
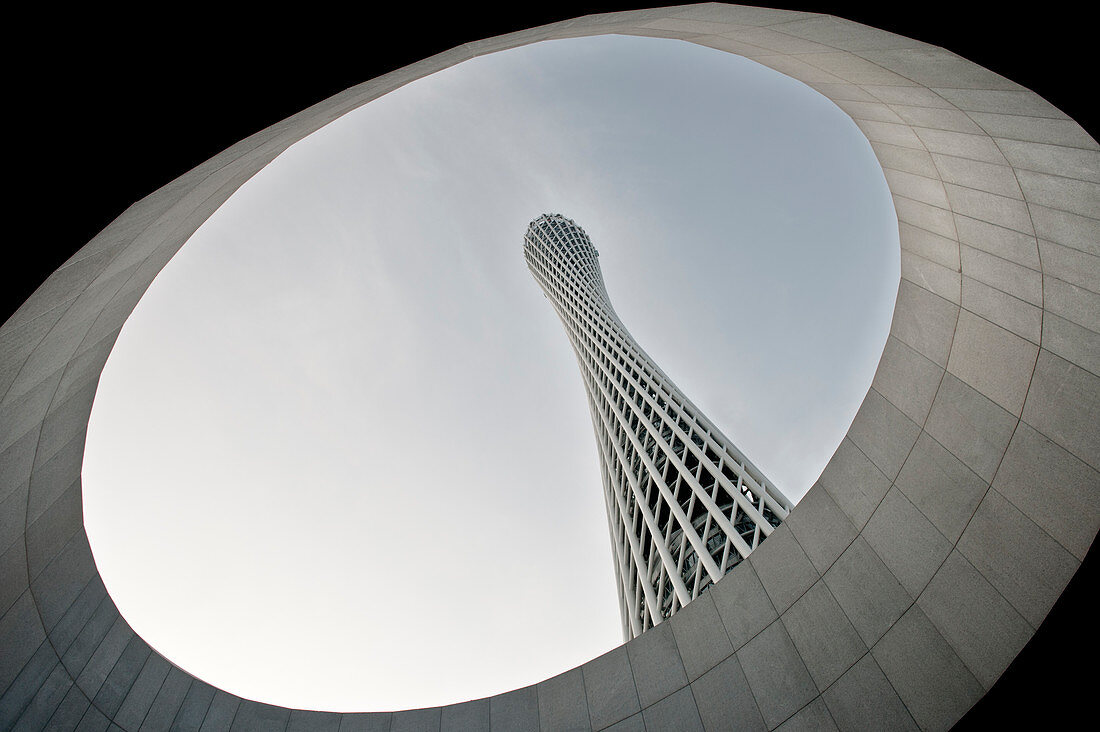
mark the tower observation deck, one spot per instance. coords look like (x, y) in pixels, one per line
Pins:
(684, 506)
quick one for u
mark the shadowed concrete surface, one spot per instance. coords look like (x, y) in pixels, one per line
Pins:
(954, 513)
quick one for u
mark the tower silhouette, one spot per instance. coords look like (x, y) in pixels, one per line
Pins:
(684, 506)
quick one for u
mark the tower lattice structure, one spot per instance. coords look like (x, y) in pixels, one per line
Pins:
(684, 506)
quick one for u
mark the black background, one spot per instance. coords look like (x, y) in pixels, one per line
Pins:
(107, 107)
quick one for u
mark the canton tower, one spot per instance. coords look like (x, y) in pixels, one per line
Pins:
(684, 506)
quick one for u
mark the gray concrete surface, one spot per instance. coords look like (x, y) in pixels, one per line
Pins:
(935, 542)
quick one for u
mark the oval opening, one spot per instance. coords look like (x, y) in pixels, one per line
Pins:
(340, 457)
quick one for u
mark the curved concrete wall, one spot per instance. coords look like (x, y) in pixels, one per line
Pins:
(948, 522)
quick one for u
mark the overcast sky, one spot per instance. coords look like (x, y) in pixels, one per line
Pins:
(340, 457)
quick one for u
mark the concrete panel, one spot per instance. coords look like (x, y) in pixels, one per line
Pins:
(65, 423)
(931, 276)
(826, 641)
(369, 722)
(1053, 159)
(1065, 228)
(892, 134)
(909, 96)
(194, 706)
(1074, 343)
(635, 723)
(49, 534)
(724, 700)
(1076, 304)
(931, 680)
(562, 703)
(1002, 242)
(59, 584)
(1070, 265)
(795, 67)
(471, 715)
(1052, 488)
(1001, 274)
(263, 717)
(45, 701)
(931, 218)
(908, 159)
(23, 412)
(868, 110)
(1025, 565)
(78, 614)
(750, 16)
(610, 689)
(844, 91)
(937, 118)
(93, 721)
(883, 433)
(940, 486)
(1061, 404)
(168, 701)
(303, 721)
(1010, 213)
(854, 69)
(1011, 127)
(15, 469)
(702, 640)
(21, 634)
(981, 626)
(91, 677)
(981, 176)
(925, 322)
(970, 426)
(743, 604)
(862, 699)
(676, 711)
(17, 341)
(776, 674)
(219, 717)
(783, 567)
(50, 477)
(906, 541)
(71, 710)
(23, 688)
(1021, 102)
(1066, 194)
(933, 66)
(939, 249)
(821, 528)
(60, 288)
(916, 187)
(13, 574)
(867, 591)
(655, 661)
(814, 717)
(141, 695)
(514, 710)
(907, 380)
(962, 145)
(854, 482)
(849, 36)
(94, 627)
(112, 692)
(1011, 313)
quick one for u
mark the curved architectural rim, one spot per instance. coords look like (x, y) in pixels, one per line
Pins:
(948, 522)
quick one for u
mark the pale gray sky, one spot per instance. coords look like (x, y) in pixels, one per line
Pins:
(340, 457)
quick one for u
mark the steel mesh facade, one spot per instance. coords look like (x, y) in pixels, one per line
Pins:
(684, 505)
